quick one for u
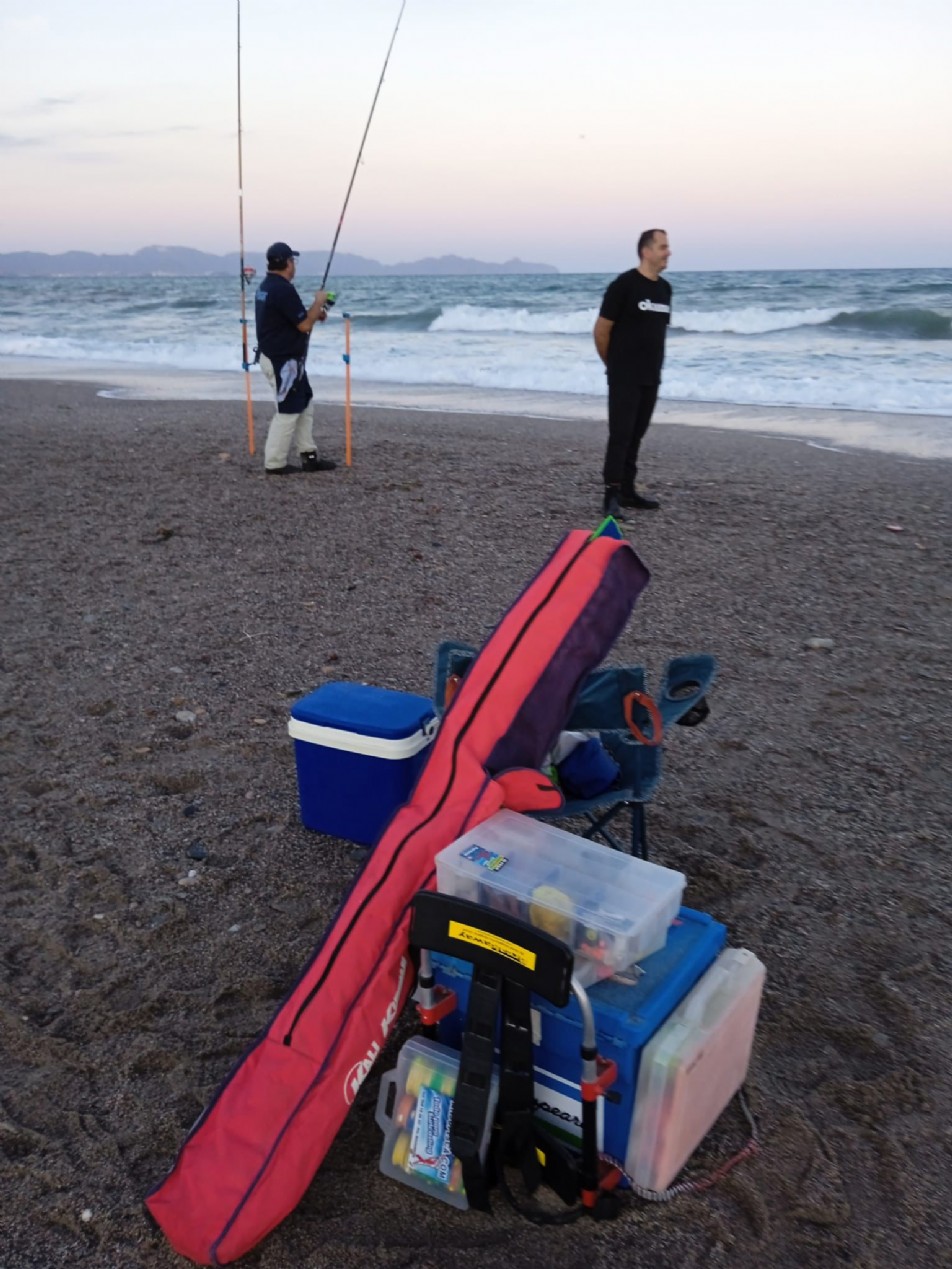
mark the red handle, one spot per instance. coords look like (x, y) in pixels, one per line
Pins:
(657, 727)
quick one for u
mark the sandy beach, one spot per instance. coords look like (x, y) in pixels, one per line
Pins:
(165, 604)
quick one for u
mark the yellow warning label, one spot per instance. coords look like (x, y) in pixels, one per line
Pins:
(502, 947)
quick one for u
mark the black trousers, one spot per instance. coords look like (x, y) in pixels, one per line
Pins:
(630, 407)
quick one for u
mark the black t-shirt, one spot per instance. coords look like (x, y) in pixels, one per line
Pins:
(278, 309)
(641, 311)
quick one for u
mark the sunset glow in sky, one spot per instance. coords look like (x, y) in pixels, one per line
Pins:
(813, 134)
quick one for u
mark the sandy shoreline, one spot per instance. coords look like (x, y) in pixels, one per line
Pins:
(918, 436)
(150, 570)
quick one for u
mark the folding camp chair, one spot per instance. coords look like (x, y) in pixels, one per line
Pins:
(614, 705)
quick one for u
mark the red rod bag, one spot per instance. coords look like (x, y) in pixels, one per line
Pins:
(255, 1149)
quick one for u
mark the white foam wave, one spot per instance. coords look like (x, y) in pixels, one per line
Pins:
(475, 319)
(753, 320)
(556, 365)
(199, 355)
(886, 393)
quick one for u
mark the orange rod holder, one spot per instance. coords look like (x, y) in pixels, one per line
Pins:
(245, 278)
(347, 418)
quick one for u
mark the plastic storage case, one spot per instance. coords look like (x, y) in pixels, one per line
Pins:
(358, 750)
(628, 1011)
(415, 1111)
(611, 909)
(693, 1067)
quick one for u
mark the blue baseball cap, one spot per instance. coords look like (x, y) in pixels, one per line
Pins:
(280, 251)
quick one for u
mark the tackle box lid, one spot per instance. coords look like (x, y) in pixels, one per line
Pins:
(612, 909)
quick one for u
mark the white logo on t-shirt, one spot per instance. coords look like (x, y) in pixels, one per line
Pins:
(647, 306)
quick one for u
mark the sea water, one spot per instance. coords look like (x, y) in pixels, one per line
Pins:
(874, 343)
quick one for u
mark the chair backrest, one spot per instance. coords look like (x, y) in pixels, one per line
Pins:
(600, 704)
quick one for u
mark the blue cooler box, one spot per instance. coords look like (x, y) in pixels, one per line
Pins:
(358, 750)
(628, 1011)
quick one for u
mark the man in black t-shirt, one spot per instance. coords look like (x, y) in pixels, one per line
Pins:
(629, 336)
(283, 327)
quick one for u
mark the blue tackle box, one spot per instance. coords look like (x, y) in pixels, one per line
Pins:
(359, 750)
(628, 1008)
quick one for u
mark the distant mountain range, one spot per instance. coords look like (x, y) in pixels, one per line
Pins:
(187, 262)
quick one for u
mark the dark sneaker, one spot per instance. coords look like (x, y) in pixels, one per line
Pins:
(311, 462)
(612, 507)
(281, 471)
(638, 502)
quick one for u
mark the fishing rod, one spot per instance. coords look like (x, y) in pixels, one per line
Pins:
(353, 174)
(331, 297)
(246, 273)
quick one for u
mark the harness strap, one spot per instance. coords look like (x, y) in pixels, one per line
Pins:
(474, 1082)
(521, 1142)
(517, 1083)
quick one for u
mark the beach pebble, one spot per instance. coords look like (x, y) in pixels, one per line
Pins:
(99, 916)
(197, 851)
(86, 1215)
(895, 528)
(233, 929)
(817, 644)
(185, 716)
(190, 880)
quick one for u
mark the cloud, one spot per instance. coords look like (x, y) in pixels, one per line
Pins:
(54, 103)
(150, 132)
(68, 140)
(49, 105)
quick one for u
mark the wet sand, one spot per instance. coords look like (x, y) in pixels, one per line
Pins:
(164, 604)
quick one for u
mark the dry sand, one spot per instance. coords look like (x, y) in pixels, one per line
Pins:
(150, 570)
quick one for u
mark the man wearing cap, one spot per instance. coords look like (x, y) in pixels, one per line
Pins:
(283, 327)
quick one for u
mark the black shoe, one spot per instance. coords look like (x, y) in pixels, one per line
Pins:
(311, 462)
(281, 471)
(611, 506)
(638, 502)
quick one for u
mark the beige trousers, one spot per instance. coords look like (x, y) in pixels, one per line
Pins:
(286, 428)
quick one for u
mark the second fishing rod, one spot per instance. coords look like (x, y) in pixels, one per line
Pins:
(332, 295)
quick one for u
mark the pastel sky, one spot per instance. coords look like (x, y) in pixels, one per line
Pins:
(760, 133)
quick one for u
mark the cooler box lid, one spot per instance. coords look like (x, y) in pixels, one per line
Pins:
(358, 709)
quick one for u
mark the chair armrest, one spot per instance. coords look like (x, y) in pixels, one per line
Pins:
(452, 658)
(685, 682)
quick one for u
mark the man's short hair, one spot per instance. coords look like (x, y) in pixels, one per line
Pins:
(646, 240)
